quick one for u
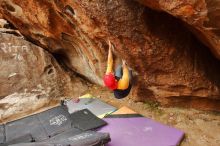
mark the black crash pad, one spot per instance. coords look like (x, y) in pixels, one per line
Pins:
(25, 138)
(40, 126)
(69, 133)
(55, 120)
(88, 138)
(24, 127)
(2, 134)
(48, 125)
(75, 137)
(86, 120)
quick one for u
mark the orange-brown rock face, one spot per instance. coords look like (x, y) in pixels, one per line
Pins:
(172, 66)
(202, 16)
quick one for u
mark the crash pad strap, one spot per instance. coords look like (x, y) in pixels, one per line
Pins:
(124, 116)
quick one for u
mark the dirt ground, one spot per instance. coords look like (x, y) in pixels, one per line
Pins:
(201, 128)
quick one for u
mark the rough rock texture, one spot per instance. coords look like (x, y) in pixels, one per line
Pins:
(30, 78)
(17, 105)
(2, 23)
(172, 66)
(50, 24)
(202, 16)
(28, 68)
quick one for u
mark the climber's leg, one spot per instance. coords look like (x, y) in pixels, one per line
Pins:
(123, 83)
(110, 60)
(109, 78)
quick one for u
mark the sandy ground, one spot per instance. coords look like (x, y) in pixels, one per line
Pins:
(201, 128)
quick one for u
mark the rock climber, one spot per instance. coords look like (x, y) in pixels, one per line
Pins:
(120, 81)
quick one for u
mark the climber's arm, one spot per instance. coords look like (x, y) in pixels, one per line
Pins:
(123, 83)
(110, 60)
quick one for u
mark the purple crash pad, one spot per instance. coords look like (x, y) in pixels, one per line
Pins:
(140, 131)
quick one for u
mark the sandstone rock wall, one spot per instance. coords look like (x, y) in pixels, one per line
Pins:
(31, 78)
(172, 66)
(26, 67)
(202, 17)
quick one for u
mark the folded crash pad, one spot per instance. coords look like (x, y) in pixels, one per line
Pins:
(96, 106)
(24, 138)
(69, 133)
(85, 120)
(55, 120)
(40, 126)
(43, 126)
(23, 127)
(140, 131)
(88, 138)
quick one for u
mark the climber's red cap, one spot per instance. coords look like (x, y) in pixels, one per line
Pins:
(110, 81)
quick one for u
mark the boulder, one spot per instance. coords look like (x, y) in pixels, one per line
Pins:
(171, 65)
(31, 78)
(26, 67)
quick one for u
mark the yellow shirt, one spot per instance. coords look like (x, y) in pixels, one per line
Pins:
(123, 83)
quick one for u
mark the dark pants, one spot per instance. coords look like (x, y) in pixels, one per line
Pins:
(119, 94)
